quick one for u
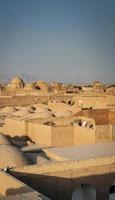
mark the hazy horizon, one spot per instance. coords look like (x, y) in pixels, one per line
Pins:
(62, 40)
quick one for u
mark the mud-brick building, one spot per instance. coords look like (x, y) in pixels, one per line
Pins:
(78, 169)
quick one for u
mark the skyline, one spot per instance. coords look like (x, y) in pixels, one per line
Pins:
(70, 41)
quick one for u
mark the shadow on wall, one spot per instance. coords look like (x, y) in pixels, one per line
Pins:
(20, 141)
(62, 186)
(14, 191)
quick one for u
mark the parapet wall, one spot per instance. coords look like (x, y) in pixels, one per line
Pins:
(11, 186)
(103, 133)
(111, 117)
(59, 180)
(65, 165)
(84, 135)
(99, 115)
(62, 136)
(41, 134)
(95, 101)
(14, 127)
(21, 100)
(56, 136)
(27, 99)
(91, 101)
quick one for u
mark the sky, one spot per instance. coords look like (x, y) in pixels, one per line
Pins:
(62, 40)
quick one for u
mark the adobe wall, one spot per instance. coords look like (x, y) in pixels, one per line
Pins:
(39, 133)
(11, 186)
(13, 127)
(59, 180)
(97, 102)
(17, 128)
(113, 133)
(65, 135)
(100, 102)
(112, 116)
(103, 133)
(110, 100)
(86, 101)
(27, 99)
(83, 135)
(22, 100)
(99, 115)
(62, 136)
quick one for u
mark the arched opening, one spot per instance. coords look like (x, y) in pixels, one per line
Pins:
(112, 192)
(84, 192)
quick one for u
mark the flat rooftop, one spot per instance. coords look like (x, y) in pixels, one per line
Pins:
(82, 152)
(34, 148)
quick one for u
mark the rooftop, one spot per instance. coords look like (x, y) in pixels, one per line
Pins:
(13, 189)
(82, 152)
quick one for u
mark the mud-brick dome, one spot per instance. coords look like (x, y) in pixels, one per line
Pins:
(42, 85)
(11, 156)
(8, 110)
(3, 139)
(29, 86)
(61, 113)
(40, 115)
(17, 82)
(98, 86)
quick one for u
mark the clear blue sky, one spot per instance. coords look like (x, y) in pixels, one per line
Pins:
(64, 40)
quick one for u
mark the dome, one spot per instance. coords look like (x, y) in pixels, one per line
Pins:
(18, 107)
(29, 86)
(3, 139)
(31, 108)
(74, 109)
(11, 156)
(40, 115)
(16, 80)
(42, 109)
(98, 86)
(62, 113)
(8, 110)
(41, 85)
(40, 106)
(54, 106)
(22, 113)
(28, 108)
(16, 83)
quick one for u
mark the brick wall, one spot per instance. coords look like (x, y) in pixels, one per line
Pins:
(13, 127)
(62, 136)
(84, 135)
(59, 180)
(39, 133)
(103, 133)
(99, 115)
